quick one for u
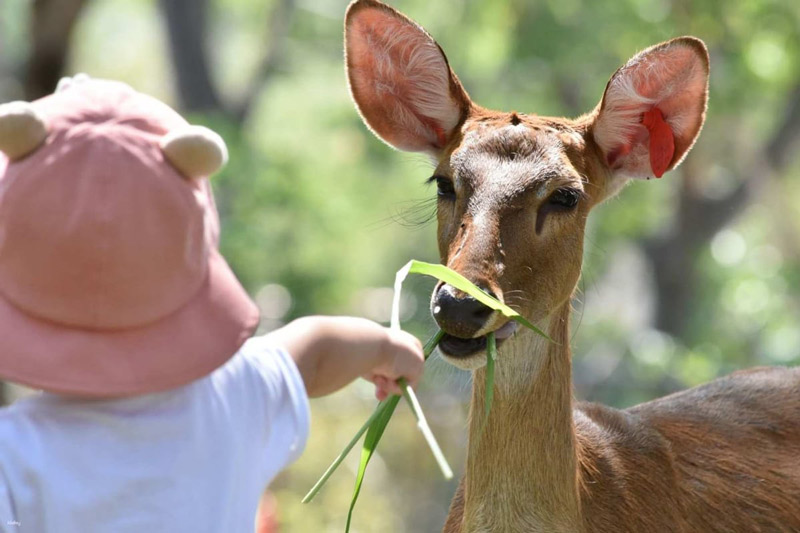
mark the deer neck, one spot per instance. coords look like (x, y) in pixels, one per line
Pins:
(521, 472)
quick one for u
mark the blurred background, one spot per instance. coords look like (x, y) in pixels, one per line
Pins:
(685, 278)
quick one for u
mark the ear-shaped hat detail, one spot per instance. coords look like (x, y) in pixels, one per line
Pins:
(66, 82)
(22, 129)
(63, 84)
(195, 151)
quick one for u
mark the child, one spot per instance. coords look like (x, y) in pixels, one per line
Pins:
(158, 414)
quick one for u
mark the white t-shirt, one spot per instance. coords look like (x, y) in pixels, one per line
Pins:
(193, 459)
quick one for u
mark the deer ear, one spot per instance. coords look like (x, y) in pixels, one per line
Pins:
(653, 109)
(400, 79)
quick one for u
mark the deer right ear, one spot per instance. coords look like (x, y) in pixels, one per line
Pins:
(653, 109)
(400, 79)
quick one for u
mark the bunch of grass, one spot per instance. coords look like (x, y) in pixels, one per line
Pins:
(377, 422)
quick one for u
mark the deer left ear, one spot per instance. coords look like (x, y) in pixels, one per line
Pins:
(653, 109)
(400, 79)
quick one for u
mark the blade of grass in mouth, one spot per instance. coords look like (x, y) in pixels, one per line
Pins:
(491, 355)
(451, 277)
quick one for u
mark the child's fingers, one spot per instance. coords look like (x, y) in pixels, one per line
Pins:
(400, 357)
(393, 388)
(387, 385)
(407, 357)
(379, 381)
(384, 387)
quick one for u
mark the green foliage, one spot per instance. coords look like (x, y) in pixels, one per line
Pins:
(377, 422)
(375, 427)
(491, 355)
(374, 435)
(309, 191)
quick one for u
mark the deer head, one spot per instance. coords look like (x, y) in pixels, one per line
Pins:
(514, 189)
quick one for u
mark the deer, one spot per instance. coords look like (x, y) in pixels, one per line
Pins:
(513, 194)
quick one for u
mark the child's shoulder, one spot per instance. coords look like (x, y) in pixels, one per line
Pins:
(260, 361)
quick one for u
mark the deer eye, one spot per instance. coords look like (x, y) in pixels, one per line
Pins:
(564, 198)
(444, 187)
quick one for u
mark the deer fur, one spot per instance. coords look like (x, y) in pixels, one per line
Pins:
(722, 457)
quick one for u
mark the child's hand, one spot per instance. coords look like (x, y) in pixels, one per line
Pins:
(400, 357)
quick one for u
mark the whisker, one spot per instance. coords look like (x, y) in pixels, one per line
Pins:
(517, 300)
(414, 214)
(581, 284)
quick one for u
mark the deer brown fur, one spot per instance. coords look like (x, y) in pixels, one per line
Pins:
(514, 193)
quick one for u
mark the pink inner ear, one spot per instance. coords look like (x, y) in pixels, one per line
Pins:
(662, 141)
(437, 130)
(653, 108)
(400, 80)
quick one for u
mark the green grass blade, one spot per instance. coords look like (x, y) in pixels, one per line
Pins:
(461, 283)
(491, 355)
(379, 410)
(432, 343)
(399, 278)
(378, 424)
(408, 393)
(374, 435)
(336, 462)
(422, 423)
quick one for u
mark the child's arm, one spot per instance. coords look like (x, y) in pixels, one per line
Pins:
(330, 352)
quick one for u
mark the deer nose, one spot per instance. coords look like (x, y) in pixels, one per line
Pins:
(459, 314)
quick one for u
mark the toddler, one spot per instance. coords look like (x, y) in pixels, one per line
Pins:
(159, 412)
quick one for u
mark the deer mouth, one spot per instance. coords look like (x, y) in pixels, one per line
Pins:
(461, 348)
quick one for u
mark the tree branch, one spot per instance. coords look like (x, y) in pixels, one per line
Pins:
(186, 28)
(780, 148)
(279, 24)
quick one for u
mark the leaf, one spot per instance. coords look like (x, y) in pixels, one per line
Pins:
(376, 424)
(408, 392)
(422, 423)
(379, 412)
(374, 435)
(336, 462)
(432, 343)
(491, 355)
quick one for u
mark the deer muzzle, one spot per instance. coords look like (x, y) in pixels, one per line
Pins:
(465, 322)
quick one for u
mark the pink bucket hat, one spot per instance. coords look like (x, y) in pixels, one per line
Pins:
(111, 283)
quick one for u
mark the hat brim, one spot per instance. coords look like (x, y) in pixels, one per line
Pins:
(175, 350)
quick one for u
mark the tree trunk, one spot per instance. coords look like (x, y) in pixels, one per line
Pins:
(187, 27)
(186, 23)
(52, 22)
